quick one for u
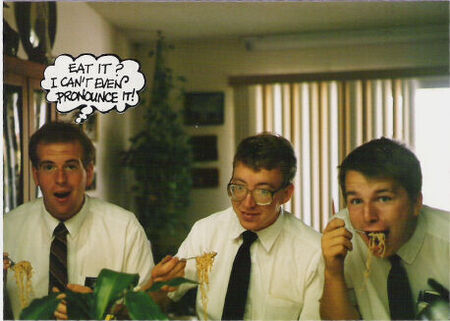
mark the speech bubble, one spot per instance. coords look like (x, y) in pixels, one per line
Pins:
(90, 83)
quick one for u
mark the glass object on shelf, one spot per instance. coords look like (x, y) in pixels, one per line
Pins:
(12, 148)
(42, 114)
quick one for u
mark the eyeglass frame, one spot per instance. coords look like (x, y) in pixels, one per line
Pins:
(272, 193)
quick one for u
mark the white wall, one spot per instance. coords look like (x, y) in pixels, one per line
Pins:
(207, 65)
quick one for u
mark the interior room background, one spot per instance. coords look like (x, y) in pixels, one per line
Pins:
(316, 94)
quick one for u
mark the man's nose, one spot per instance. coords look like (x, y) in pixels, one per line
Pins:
(61, 176)
(249, 201)
(370, 213)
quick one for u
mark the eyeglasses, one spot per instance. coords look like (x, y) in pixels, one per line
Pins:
(261, 196)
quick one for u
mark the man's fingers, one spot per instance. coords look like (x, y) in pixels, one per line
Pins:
(334, 224)
(60, 316)
(79, 288)
(61, 311)
(164, 267)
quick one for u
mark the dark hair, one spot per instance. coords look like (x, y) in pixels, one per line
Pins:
(385, 158)
(267, 151)
(61, 132)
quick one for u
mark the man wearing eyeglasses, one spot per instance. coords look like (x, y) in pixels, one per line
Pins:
(268, 264)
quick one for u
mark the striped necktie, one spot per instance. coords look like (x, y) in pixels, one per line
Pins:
(58, 259)
(236, 297)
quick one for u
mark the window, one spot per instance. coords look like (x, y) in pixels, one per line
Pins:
(432, 144)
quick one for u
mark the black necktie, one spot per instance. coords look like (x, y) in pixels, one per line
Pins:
(236, 297)
(58, 259)
(399, 291)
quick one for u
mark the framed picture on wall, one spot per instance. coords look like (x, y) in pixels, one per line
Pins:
(204, 108)
(205, 177)
(204, 148)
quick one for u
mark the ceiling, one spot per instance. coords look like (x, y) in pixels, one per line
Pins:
(206, 20)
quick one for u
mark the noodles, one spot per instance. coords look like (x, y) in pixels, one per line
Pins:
(375, 240)
(204, 264)
(22, 274)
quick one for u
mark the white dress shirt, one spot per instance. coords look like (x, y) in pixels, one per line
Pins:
(101, 235)
(425, 255)
(287, 269)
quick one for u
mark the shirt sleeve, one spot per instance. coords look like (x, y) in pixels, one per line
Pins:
(138, 254)
(313, 290)
(189, 247)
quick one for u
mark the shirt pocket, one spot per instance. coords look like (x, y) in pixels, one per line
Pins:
(277, 308)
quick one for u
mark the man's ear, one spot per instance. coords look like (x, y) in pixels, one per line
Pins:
(287, 193)
(89, 174)
(35, 176)
(418, 204)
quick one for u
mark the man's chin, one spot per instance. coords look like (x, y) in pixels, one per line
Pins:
(252, 225)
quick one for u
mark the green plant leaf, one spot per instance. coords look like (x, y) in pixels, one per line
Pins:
(142, 307)
(79, 305)
(109, 287)
(41, 309)
(174, 282)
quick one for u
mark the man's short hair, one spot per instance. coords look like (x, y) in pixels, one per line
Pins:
(267, 151)
(61, 132)
(384, 158)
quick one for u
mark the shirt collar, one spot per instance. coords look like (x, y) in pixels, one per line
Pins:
(73, 224)
(266, 236)
(409, 251)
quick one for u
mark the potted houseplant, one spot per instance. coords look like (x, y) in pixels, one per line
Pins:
(160, 156)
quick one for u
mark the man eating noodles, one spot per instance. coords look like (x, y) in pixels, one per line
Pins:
(268, 264)
(385, 250)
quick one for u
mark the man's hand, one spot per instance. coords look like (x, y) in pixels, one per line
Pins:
(6, 262)
(168, 269)
(61, 309)
(335, 303)
(336, 242)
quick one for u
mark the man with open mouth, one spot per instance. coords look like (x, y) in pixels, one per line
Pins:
(94, 234)
(384, 231)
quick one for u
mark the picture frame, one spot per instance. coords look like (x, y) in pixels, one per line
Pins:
(204, 108)
(205, 177)
(204, 148)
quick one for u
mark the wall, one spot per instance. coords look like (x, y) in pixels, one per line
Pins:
(208, 64)
(81, 30)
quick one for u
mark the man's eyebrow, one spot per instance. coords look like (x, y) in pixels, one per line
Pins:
(45, 162)
(378, 191)
(72, 161)
(238, 180)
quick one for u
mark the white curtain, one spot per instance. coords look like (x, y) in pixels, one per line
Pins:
(324, 121)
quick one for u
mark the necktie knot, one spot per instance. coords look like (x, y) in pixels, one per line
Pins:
(395, 260)
(60, 229)
(249, 237)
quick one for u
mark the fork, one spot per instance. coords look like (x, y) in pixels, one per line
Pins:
(12, 263)
(194, 257)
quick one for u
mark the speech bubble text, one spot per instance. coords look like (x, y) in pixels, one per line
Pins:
(90, 83)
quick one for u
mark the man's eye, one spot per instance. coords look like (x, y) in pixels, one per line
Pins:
(238, 188)
(384, 199)
(264, 192)
(71, 167)
(355, 201)
(47, 167)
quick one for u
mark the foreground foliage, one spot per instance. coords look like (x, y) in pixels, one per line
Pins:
(113, 294)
